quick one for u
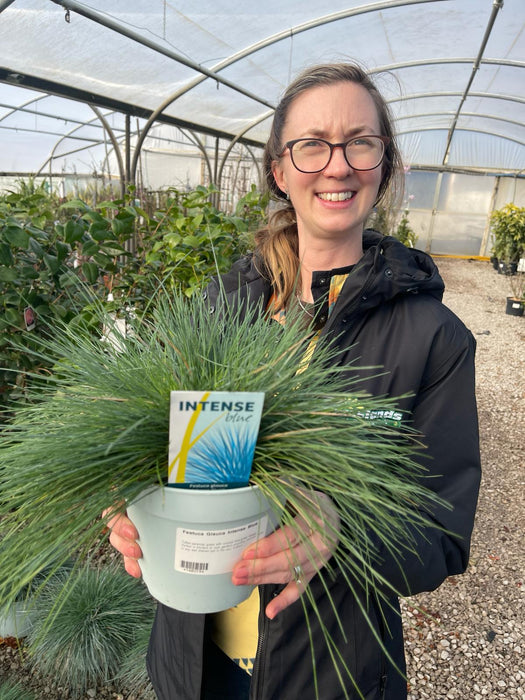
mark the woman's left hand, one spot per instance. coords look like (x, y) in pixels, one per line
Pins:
(291, 555)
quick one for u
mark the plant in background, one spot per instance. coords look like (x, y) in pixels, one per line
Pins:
(14, 691)
(51, 253)
(517, 286)
(133, 672)
(45, 268)
(101, 614)
(193, 240)
(96, 434)
(508, 231)
(252, 209)
(381, 219)
(404, 232)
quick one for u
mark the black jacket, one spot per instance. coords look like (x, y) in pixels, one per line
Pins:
(389, 314)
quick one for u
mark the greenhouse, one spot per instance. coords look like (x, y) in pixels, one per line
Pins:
(176, 94)
(262, 388)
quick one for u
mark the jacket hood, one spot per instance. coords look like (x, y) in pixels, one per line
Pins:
(389, 269)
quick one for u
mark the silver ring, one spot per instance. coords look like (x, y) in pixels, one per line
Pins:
(297, 573)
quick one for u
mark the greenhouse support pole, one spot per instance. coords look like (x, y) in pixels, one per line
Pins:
(202, 148)
(116, 148)
(237, 138)
(5, 4)
(109, 23)
(216, 195)
(486, 232)
(127, 148)
(496, 6)
(433, 214)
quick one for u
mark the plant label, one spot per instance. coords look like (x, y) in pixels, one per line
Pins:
(212, 437)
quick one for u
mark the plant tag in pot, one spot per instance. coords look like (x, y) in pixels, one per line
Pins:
(212, 438)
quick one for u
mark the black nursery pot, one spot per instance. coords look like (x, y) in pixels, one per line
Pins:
(507, 268)
(495, 262)
(515, 307)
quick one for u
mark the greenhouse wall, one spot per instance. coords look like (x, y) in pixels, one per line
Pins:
(450, 212)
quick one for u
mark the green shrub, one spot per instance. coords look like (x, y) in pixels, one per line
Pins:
(100, 617)
(46, 266)
(508, 230)
(381, 219)
(192, 240)
(55, 257)
(404, 232)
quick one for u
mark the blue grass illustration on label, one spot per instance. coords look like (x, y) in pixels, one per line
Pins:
(212, 437)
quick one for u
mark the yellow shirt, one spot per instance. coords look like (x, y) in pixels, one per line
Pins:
(235, 632)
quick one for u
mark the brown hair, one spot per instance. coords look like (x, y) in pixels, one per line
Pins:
(277, 244)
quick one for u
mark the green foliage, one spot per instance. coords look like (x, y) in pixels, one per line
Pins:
(101, 615)
(381, 220)
(45, 267)
(517, 286)
(508, 230)
(193, 240)
(133, 672)
(14, 691)
(97, 434)
(252, 209)
(404, 232)
(54, 258)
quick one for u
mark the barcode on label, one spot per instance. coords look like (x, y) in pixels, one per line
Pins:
(194, 565)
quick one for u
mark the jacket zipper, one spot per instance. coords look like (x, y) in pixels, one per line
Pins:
(257, 675)
(383, 677)
(350, 311)
(382, 682)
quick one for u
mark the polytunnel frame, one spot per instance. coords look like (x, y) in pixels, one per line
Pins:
(78, 125)
(72, 5)
(159, 113)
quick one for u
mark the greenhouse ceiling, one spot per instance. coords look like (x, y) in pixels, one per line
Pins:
(76, 77)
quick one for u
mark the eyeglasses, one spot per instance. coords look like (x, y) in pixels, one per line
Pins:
(313, 155)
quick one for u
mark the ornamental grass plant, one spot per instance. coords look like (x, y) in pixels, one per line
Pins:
(132, 672)
(96, 435)
(14, 691)
(102, 612)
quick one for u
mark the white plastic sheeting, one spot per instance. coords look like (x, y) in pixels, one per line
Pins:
(452, 71)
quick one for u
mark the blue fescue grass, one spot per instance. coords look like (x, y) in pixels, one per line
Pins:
(101, 614)
(14, 691)
(96, 434)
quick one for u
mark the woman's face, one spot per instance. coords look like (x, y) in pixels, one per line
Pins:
(336, 113)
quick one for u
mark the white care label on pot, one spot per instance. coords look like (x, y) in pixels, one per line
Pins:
(212, 552)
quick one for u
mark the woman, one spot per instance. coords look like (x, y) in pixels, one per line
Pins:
(330, 158)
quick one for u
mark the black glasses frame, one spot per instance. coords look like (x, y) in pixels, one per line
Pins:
(290, 144)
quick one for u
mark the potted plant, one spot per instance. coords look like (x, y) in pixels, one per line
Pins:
(516, 300)
(508, 230)
(17, 615)
(95, 436)
(100, 618)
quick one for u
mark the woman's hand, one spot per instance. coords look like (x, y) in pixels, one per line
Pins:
(124, 538)
(291, 556)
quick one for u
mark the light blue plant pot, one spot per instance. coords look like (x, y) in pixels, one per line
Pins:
(15, 621)
(191, 540)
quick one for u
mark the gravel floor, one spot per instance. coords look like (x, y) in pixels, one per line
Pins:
(472, 643)
(467, 639)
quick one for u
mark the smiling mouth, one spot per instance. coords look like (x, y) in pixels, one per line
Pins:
(335, 196)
